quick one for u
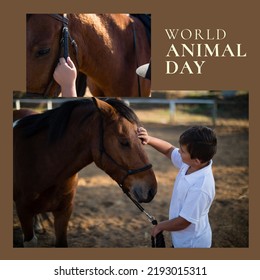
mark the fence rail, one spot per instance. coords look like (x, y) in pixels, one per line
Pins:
(170, 102)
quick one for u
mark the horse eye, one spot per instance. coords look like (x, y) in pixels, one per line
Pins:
(43, 52)
(124, 142)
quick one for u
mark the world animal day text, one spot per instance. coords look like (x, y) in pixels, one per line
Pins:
(195, 47)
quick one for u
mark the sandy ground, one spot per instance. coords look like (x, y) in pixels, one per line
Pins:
(104, 217)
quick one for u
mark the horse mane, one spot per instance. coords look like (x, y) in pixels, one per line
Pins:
(123, 110)
(56, 120)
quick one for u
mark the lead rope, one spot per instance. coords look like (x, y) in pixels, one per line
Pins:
(158, 241)
(137, 63)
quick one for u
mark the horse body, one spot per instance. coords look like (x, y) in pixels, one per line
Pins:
(46, 179)
(19, 114)
(110, 48)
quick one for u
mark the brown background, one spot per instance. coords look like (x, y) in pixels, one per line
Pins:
(241, 23)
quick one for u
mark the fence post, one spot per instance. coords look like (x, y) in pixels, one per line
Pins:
(172, 109)
(49, 104)
(214, 113)
(17, 104)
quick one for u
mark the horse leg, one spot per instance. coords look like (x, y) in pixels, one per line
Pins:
(26, 220)
(63, 212)
(61, 220)
(40, 221)
(37, 224)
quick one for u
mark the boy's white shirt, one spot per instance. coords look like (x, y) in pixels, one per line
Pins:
(191, 199)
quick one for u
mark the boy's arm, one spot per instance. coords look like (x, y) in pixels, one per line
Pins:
(175, 224)
(160, 145)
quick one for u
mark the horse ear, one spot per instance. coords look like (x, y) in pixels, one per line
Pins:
(104, 108)
(96, 102)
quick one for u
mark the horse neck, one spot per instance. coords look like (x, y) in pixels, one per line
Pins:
(77, 145)
(92, 33)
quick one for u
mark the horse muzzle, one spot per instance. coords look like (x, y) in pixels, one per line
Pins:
(143, 191)
(143, 196)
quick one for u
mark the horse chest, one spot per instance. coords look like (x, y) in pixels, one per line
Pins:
(50, 200)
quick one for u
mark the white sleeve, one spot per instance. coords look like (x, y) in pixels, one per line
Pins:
(196, 205)
(176, 158)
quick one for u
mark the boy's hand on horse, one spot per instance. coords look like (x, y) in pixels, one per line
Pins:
(143, 135)
(65, 75)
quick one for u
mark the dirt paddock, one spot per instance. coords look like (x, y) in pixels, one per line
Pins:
(104, 217)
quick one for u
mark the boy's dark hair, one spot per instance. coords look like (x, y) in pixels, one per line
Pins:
(201, 142)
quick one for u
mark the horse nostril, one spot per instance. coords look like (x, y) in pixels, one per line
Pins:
(152, 193)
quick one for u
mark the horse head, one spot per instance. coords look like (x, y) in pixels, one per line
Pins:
(120, 152)
(44, 33)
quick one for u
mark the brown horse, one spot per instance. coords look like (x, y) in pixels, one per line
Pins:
(109, 49)
(19, 114)
(50, 148)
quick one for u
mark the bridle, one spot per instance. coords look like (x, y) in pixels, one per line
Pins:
(64, 44)
(128, 172)
(64, 47)
(137, 62)
(65, 36)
